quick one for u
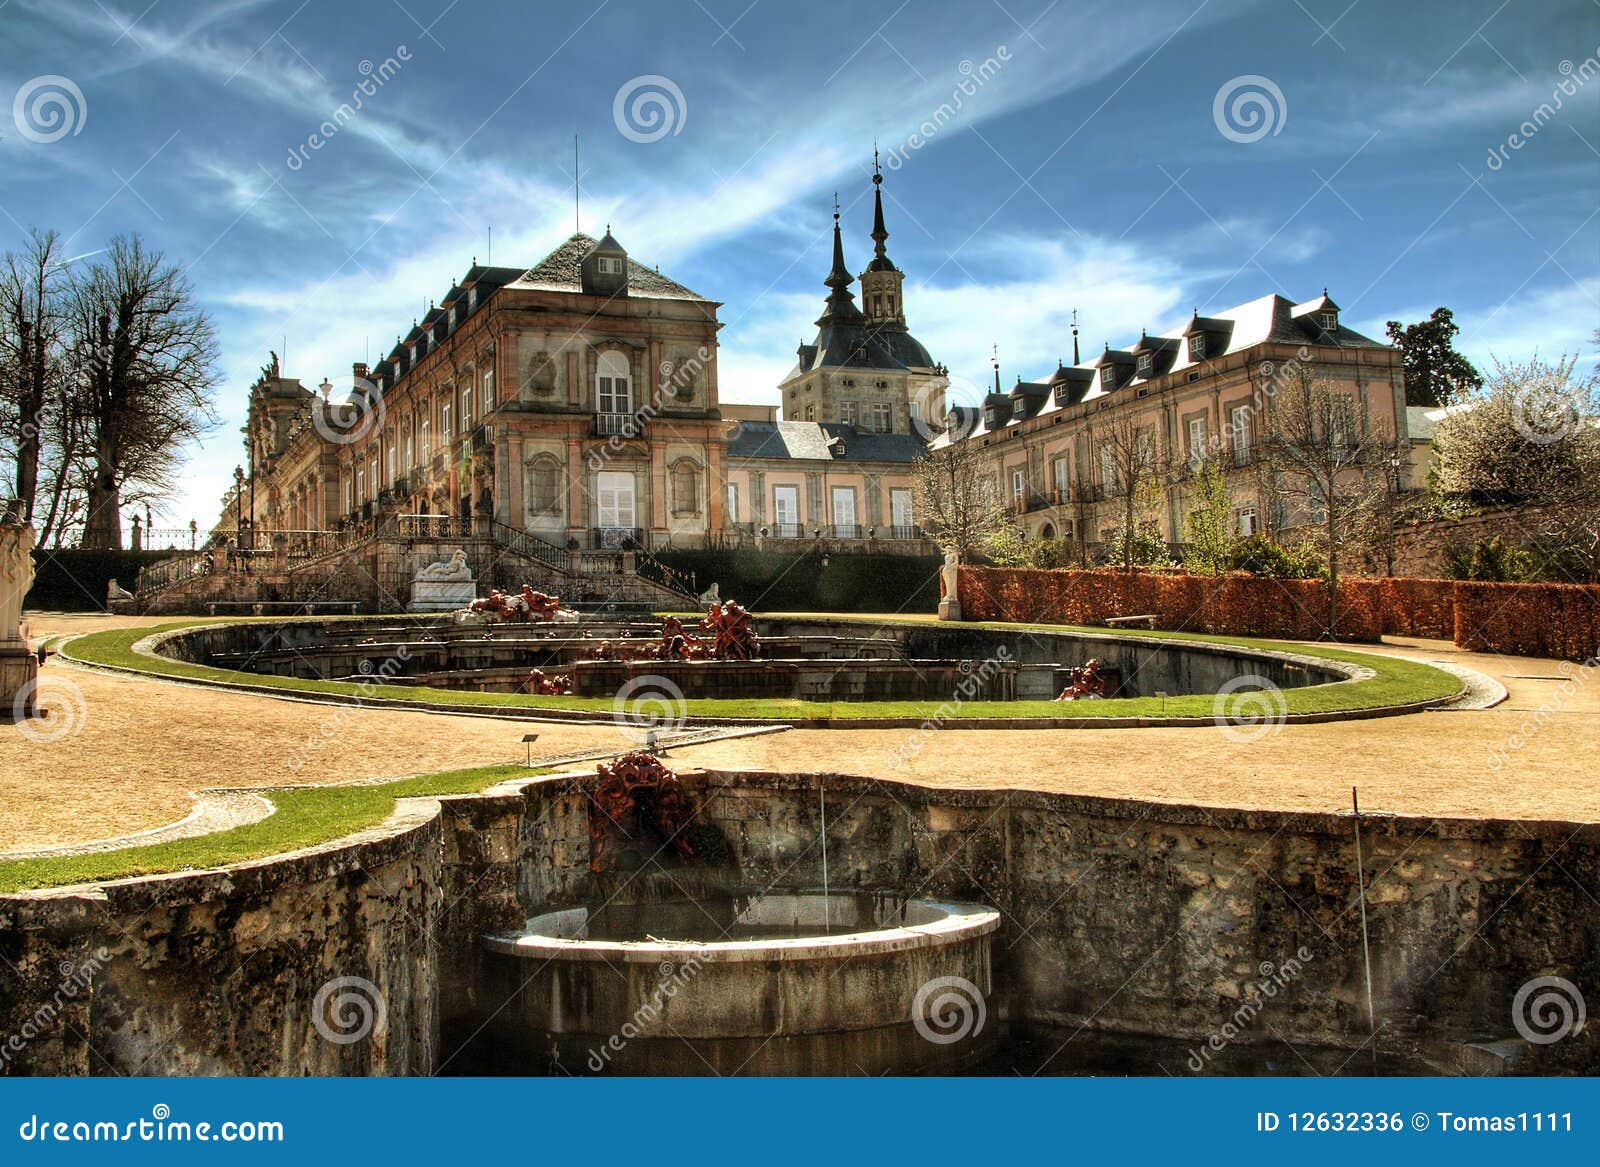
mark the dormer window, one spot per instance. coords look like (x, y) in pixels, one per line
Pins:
(1197, 346)
(1328, 321)
(609, 266)
(1146, 362)
(1108, 378)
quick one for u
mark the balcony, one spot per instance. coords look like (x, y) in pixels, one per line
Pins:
(618, 425)
(617, 538)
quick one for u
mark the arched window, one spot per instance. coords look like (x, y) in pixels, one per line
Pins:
(544, 486)
(613, 389)
(685, 488)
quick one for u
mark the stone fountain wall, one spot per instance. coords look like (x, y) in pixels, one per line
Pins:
(1118, 916)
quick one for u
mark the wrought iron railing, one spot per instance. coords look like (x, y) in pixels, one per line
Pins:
(618, 425)
(618, 538)
(648, 567)
(530, 546)
(164, 573)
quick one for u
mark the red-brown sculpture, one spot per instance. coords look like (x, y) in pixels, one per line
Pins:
(1084, 683)
(733, 634)
(530, 607)
(540, 685)
(639, 786)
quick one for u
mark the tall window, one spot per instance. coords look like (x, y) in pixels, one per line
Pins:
(1197, 440)
(882, 417)
(613, 389)
(427, 441)
(1341, 420)
(444, 422)
(1247, 521)
(361, 485)
(1242, 437)
(850, 412)
(391, 465)
(901, 515)
(1062, 480)
(466, 408)
(1108, 469)
(1019, 488)
(411, 448)
(488, 388)
(733, 503)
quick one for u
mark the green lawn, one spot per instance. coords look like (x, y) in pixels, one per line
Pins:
(1396, 682)
(304, 817)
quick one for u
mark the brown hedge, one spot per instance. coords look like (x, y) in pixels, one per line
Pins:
(1419, 607)
(1236, 605)
(1557, 621)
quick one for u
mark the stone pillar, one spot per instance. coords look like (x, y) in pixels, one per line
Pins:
(574, 377)
(758, 498)
(576, 518)
(513, 493)
(716, 489)
(654, 359)
(658, 486)
(19, 669)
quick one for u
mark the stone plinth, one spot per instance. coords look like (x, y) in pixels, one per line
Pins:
(431, 595)
(19, 670)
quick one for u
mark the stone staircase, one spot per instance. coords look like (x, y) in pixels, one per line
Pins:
(373, 568)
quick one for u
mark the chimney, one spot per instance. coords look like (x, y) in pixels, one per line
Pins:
(358, 371)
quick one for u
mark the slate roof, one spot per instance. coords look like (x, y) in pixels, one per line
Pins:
(815, 441)
(559, 272)
(1270, 318)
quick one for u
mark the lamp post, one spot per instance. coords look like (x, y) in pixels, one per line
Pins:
(194, 530)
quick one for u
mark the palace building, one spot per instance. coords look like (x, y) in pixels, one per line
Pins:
(576, 404)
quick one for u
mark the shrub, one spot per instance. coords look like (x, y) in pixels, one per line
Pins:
(1560, 621)
(1259, 555)
(776, 581)
(1492, 560)
(1419, 607)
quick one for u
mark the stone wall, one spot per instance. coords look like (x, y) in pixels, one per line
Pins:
(1420, 547)
(1118, 916)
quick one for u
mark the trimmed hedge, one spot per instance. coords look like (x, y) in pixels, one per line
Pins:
(1559, 621)
(1233, 605)
(74, 580)
(1555, 621)
(1419, 607)
(775, 581)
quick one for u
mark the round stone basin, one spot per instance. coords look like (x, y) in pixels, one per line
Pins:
(770, 983)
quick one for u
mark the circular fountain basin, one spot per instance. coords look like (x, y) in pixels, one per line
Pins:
(768, 983)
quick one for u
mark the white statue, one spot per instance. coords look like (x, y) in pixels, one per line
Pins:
(712, 595)
(949, 586)
(16, 577)
(115, 591)
(452, 570)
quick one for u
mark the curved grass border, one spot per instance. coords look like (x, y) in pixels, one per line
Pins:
(303, 816)
(1396, 686)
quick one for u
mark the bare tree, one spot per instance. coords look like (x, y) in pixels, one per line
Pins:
(1133, 466)
(146, 355)
(32, 357)
(1326, 461)
(955, 497)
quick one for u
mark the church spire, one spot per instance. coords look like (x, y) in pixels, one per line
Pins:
(841, 301)
(879, 233)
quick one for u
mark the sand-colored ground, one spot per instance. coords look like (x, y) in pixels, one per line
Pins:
(144, 745)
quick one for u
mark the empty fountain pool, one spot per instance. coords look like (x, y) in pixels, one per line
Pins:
(766, 983)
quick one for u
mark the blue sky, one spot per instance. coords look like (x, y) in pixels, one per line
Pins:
(1086, 167)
